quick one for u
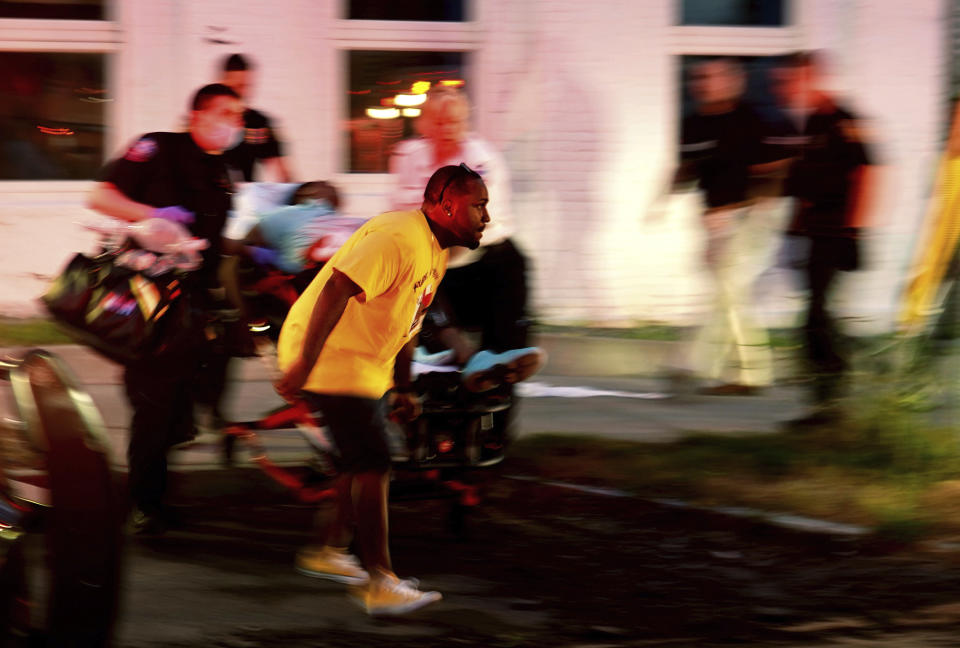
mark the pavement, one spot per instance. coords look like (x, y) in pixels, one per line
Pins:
(601, 387)
(225, 578)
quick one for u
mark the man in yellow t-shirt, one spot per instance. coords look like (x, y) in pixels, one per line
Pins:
(349, 337)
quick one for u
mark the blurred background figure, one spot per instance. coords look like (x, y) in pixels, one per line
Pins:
(485, 288)
(831, 179)
(723, 142)
(259, 142)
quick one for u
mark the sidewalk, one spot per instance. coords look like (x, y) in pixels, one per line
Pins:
(619, 397)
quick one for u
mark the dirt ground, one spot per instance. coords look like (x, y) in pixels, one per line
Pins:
(541, 566)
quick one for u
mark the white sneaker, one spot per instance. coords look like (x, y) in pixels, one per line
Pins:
(390, 596)
(486, 370)
(332, 564)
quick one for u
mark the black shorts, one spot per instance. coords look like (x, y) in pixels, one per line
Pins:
(359, 428)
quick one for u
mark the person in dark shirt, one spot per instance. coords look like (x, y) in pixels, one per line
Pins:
(259, 143)
(722, 143)
(180, 177)
(830, 179)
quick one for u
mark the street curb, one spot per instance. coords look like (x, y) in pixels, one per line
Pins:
(786, 521)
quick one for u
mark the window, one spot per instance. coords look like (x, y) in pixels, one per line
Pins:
(55, 103)
(52, 108)
(385, 90)
(734, 13)
(425, 10)
(391, 53)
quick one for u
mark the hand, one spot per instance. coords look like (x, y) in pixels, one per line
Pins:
(290, 384)
(262, 256)
(406, 407)
(174, 214)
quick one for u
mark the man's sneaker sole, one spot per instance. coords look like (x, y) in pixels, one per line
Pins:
(527, 364)
(397, 610)
(523, 366)
(337, 578)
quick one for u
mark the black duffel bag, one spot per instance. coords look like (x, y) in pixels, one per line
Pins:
(124, 314)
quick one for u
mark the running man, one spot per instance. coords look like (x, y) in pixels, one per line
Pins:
(349, 339)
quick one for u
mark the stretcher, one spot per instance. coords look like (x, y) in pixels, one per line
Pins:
(436, 456)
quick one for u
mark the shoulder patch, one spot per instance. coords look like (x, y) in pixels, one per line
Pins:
(853, 130)
(255, 136)
(142, 150)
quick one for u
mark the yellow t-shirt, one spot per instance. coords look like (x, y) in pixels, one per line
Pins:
(398, 263)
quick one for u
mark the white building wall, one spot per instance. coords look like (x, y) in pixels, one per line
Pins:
(581, 97)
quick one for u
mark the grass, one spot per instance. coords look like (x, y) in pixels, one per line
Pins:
(30, 332)
(886, 466)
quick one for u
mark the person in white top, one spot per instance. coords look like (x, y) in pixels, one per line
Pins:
(483, 288)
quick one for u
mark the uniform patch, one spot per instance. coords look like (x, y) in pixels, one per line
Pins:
(142, 150)
(255, 136)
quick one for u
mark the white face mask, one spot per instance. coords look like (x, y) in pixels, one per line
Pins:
(227, 136)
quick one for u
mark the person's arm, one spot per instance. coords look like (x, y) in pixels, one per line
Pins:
(774, 168)
(863, 179)
(107, 199)
(406, 404)
(255, 237)
(326, 313)
(863, 182)
(276, 168)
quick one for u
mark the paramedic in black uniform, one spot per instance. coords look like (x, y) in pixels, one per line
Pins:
(179, 177)
(259, 143)
(831, 181)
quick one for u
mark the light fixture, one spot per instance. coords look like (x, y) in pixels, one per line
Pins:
(410, 112)
(419, 87)
(409, 100)
(383, 113)
(453, 83)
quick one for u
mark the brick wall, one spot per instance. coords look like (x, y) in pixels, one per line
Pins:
(580, 98)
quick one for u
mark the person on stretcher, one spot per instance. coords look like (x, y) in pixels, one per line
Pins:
(305, 232)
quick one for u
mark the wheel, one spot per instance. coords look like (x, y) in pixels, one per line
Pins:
(78, 504)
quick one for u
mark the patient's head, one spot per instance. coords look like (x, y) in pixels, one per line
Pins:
(316, 190)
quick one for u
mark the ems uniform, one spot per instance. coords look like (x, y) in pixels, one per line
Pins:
(166, 169)
(829, 148)
(397, 262)
(259, 143)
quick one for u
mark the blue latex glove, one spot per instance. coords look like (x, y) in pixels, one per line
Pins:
(263, 256)
(174, 214)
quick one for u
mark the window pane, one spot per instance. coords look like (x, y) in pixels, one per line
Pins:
(744, 13)
(55, 9)
(442, 10)
(377, 121)
(52, 108)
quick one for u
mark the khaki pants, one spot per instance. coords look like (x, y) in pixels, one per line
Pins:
(731, 346)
